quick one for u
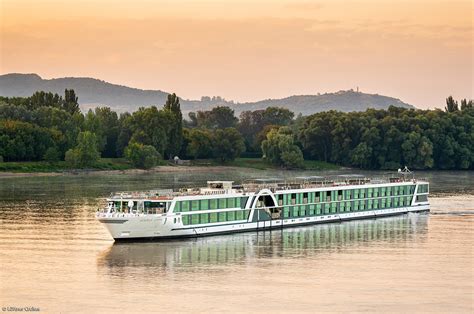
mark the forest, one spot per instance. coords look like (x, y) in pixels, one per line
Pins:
(51, 127)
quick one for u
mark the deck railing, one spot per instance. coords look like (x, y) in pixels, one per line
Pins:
(251, 187)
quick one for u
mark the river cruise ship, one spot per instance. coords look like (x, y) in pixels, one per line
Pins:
(260, 204)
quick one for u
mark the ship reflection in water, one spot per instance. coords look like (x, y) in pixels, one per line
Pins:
(247, 247)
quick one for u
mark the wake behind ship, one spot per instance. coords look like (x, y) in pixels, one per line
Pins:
(260, 204)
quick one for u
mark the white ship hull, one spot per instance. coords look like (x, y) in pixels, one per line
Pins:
(164, 226)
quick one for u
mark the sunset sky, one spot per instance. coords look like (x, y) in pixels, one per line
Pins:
(418, 51)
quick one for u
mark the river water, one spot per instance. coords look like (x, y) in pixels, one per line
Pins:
(56, 258)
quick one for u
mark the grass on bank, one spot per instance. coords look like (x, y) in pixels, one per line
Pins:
(123, 164)
(60, 166)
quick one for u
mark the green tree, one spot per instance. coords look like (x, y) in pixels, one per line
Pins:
(417, 151)
(199, 143)
(151, 126)
(277, 116)
(254, 124)
(66, 126)
(176, 128)
(52, 154)
(43, 99)
(465, 105)
(219, 117)
(125, 133)
(361, 155)
(279, 149)
(21, 141)
(142, 156)
(71, 102)
(315, 135)
(105, 124)
(227, 144)
(85, 153)
(451, 105)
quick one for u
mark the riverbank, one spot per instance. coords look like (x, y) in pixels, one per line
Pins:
(120, 165)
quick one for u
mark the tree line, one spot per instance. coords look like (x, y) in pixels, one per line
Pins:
(51, 127)
(388, 139)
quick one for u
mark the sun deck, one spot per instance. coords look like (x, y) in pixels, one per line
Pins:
(255, 185)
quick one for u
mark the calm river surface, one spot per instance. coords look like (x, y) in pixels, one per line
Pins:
(54, 255)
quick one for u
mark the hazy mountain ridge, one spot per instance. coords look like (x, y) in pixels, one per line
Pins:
(93, 92)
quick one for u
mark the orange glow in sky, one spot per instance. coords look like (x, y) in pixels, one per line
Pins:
(419, 51)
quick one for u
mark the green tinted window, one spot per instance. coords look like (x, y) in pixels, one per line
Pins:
(222, 217)
(204, 205)
(356, 193)
(195, 219)
(239, 215)
(302, 211)
(231, 203)
(326, 208)
(310, 197)
(241, 202)
(204, 218)
(194, 205)
(213, 217)
(247, 214)
(222, 203)
(295, 211)
(185, 219)
(185, 206)
(230, 216)
(213, 204)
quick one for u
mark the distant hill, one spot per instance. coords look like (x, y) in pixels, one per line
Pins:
(93, 92)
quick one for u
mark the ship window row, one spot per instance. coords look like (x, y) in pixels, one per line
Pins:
(421, 198)
(339, 195)
(422, 188)
(196, 219)
(207, 204)
(140, 206)
(345, 207)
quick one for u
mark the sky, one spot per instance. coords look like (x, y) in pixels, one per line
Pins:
(419, 51)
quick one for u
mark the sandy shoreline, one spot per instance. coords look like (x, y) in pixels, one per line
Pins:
(159, 169)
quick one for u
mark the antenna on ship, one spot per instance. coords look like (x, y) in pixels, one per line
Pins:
(405, 172)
